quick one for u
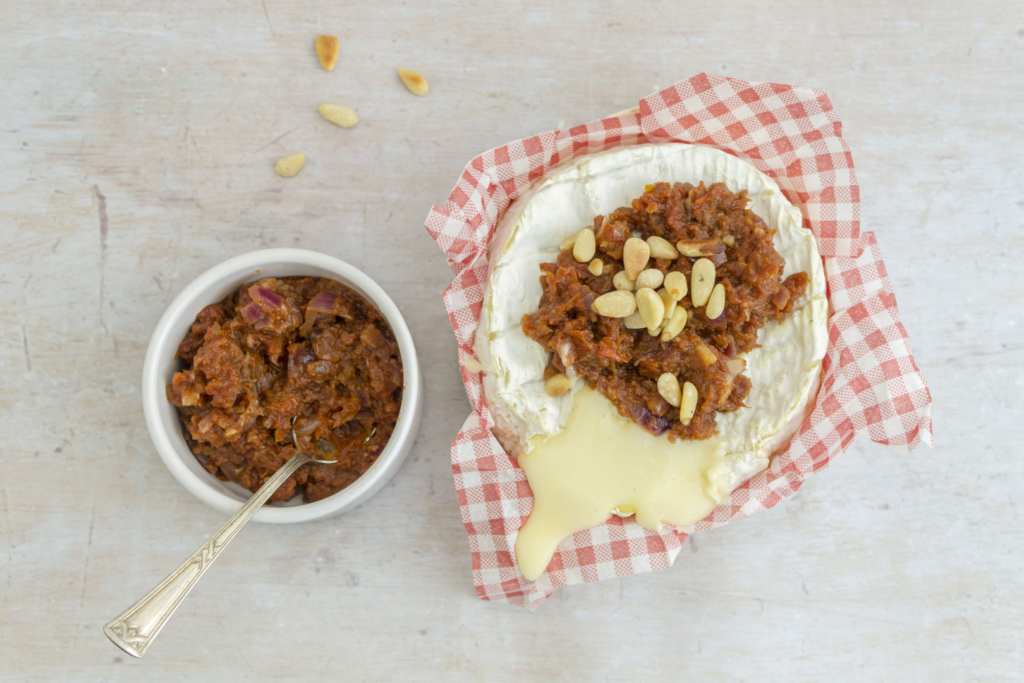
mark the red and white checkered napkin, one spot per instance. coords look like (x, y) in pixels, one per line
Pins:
(871, 385)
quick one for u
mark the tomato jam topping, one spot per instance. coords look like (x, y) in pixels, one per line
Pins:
(300, 354)
(624, 358)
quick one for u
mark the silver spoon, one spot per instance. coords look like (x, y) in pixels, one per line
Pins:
(135, 629)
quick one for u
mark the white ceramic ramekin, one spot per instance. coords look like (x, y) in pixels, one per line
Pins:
(160, 365)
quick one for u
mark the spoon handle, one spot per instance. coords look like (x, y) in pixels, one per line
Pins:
(137, 627)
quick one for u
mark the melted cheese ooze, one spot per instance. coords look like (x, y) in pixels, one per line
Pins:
(602, 462)
(583, 460)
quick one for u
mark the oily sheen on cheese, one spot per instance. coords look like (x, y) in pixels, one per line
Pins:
(582, 459)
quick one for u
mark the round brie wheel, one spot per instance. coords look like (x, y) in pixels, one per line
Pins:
(784, 370)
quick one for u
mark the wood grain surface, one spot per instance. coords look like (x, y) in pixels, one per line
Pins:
(137, 144)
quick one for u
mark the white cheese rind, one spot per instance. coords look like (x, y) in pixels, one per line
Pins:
(784, 371)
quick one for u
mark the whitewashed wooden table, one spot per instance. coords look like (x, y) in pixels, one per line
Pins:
(137, 141)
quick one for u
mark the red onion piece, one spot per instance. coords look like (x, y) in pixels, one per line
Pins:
(298, 356)
(655, 424)
(372, 337)
(267, 299)
(320, 307)
(730, 350)
(322, 303)
(252, 313)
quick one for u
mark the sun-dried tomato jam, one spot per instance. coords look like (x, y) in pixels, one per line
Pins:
(624, 364)
(297, 353)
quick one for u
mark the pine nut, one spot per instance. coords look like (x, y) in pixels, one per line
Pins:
(556, 385)
(668, 387)
(729, 240)
(670, 303)
(634, 321)
(569, 241)
(716, 302)
(414, 81)
(472, 365)
(617, 304)
(622, 281)
(707, 356)
(327, 49)
(635, 255)
(661, 248)
(596, 267)
(702, 281)
(585, 247)
(289, 166)
(651, 308)
(675, 324)
(736, 366)
(675, 283)
(650, 278)
(696, 248)
(688, 406)
(339, 115)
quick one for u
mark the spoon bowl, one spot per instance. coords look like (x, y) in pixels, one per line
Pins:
(160, 365)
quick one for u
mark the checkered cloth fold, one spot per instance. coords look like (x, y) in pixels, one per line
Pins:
(870, 385)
